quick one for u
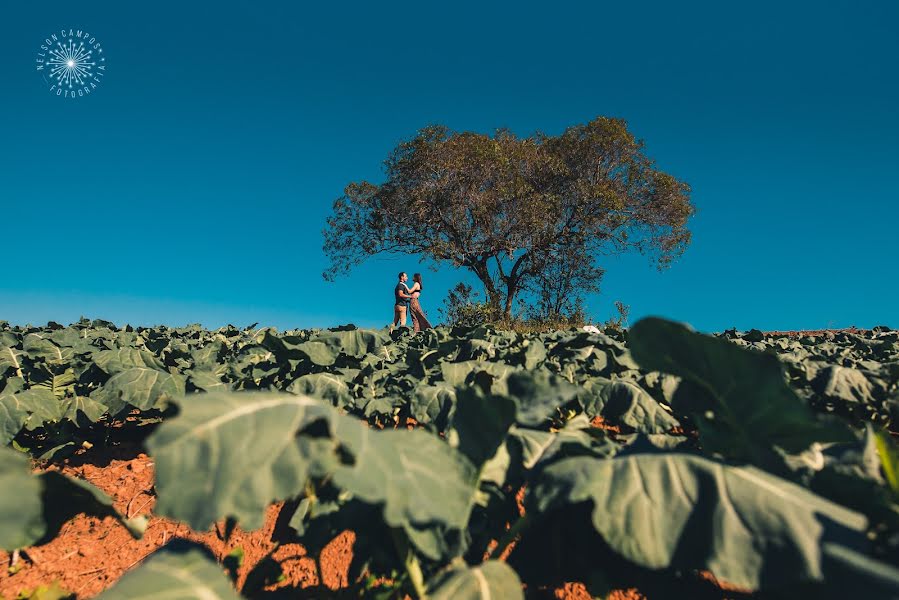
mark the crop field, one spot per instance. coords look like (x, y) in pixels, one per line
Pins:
(458, 463)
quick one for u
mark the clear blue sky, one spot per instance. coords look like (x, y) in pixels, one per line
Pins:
(193, 185)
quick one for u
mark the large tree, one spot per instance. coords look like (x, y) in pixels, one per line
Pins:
(514, 210)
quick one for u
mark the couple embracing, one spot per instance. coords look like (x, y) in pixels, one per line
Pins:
(406, 301)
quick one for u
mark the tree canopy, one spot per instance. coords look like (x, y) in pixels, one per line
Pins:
(516, 211)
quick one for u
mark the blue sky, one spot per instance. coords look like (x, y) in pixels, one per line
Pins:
(193, 185)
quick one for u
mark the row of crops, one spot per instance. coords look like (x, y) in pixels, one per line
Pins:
(475, 463)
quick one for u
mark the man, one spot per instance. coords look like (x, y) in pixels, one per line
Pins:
(401, 297)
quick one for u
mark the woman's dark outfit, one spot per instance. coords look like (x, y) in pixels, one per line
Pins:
(419, 320)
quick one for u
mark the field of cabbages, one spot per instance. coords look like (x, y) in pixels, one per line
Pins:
(457, 463)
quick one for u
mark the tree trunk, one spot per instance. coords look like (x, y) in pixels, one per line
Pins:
(493, 296)
(511, 292)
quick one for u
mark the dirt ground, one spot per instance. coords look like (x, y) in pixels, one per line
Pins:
(90, 554)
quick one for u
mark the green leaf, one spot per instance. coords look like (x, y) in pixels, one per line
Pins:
(481, 422)
(64, 497)
(355, 343)
(319, 353)
(12, 417)
(208, 381)
(842, 383)
(181, 570)
(232, 562)
(116, 361)
(739, 398)
(52, 591)
(432, 404)
(35, 346)
(33, 508)
(383, 406)
(10, 357)
(491, 580)
(455, 374)
(207, 357)
(577, 438)
(21, 513)
(889, 460)
(140, 387)
(850, 572)
(534, 354)
(231, 454)
(326, 386)
(625, 403)
(537, 395)
(38, 405)
(419, 480)
(850, 474)
(59, 384)
(677, 511)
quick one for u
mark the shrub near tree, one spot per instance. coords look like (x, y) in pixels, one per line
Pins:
(528, 216)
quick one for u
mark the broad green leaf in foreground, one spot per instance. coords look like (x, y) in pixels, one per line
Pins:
(481, 422)
(678, 511)
(20, 504)
(33, 507)
(491, 580)
(853, 573)
(180, 571)
(739, 398)
(231, 454)
(64, 497)
(418, 478)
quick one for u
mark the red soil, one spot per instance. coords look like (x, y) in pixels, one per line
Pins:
(578, 591)
(600, 423)
(90, 554)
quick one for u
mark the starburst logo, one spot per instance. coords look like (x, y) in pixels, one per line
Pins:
(71, 62)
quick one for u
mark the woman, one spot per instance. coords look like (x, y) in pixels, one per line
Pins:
(419, 320)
